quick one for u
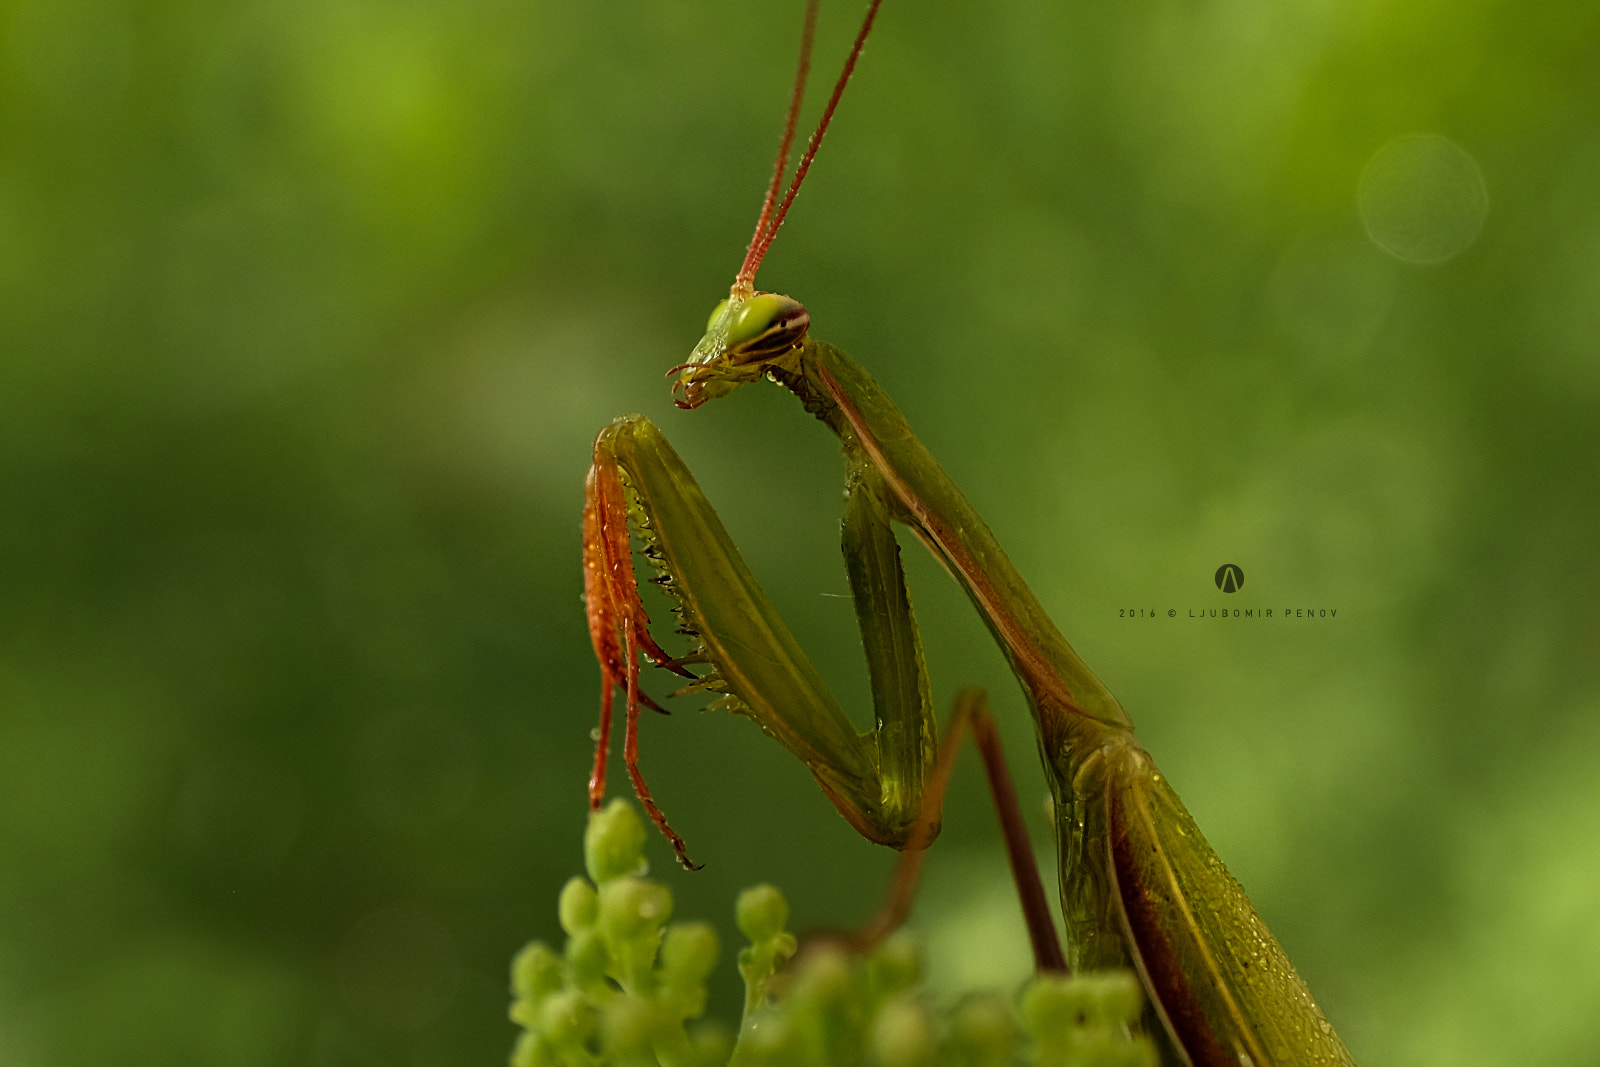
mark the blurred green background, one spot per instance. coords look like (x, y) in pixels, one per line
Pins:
(309, 312)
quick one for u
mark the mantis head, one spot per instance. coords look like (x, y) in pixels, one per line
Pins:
(744, 337)
(750, 332)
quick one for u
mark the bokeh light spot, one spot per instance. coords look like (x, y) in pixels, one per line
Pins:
(1422, 198)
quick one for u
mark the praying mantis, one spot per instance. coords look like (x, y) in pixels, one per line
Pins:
(1140, 887)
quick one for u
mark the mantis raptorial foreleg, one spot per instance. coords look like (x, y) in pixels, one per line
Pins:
(888, 782)
(758, 668)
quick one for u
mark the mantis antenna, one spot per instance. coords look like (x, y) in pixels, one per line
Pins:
(769, 221)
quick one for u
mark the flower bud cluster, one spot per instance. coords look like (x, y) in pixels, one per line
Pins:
(629, 986)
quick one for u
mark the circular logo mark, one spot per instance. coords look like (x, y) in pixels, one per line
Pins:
(1230, 577)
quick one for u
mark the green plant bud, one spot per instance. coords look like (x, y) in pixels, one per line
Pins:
(710, 1045)
(902, 1034)
(983, 1031)
(767, 1040)
(1051, 1006)
(827, 1005)
(1115, 996)
(1085, 1020)
(1094, 1044)
(589, 957)
(613, 845)
(828, 978)
(1099, 1045)
(524, 1012)
(632, 906)
(688, 956)
(894, 966)
(579, 906)
(566, 1019)
(627, 1028)
(531, 1051)
(762, 912)
(632, 913)
(535, 974)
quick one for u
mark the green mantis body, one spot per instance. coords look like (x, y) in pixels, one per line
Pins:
(1140, 887)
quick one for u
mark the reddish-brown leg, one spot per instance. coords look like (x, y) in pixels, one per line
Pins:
(619, 629)
(972, 714)
(630, 760)
(602, 747)
(603, 621)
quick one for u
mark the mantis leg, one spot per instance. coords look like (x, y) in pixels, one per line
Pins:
(889, 783)
(757, 668)
(972, 714)
(619, 630)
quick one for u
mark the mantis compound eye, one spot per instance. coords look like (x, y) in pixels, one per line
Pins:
(765, 326)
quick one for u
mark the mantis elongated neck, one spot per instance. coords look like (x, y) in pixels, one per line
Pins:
(1070, 704)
